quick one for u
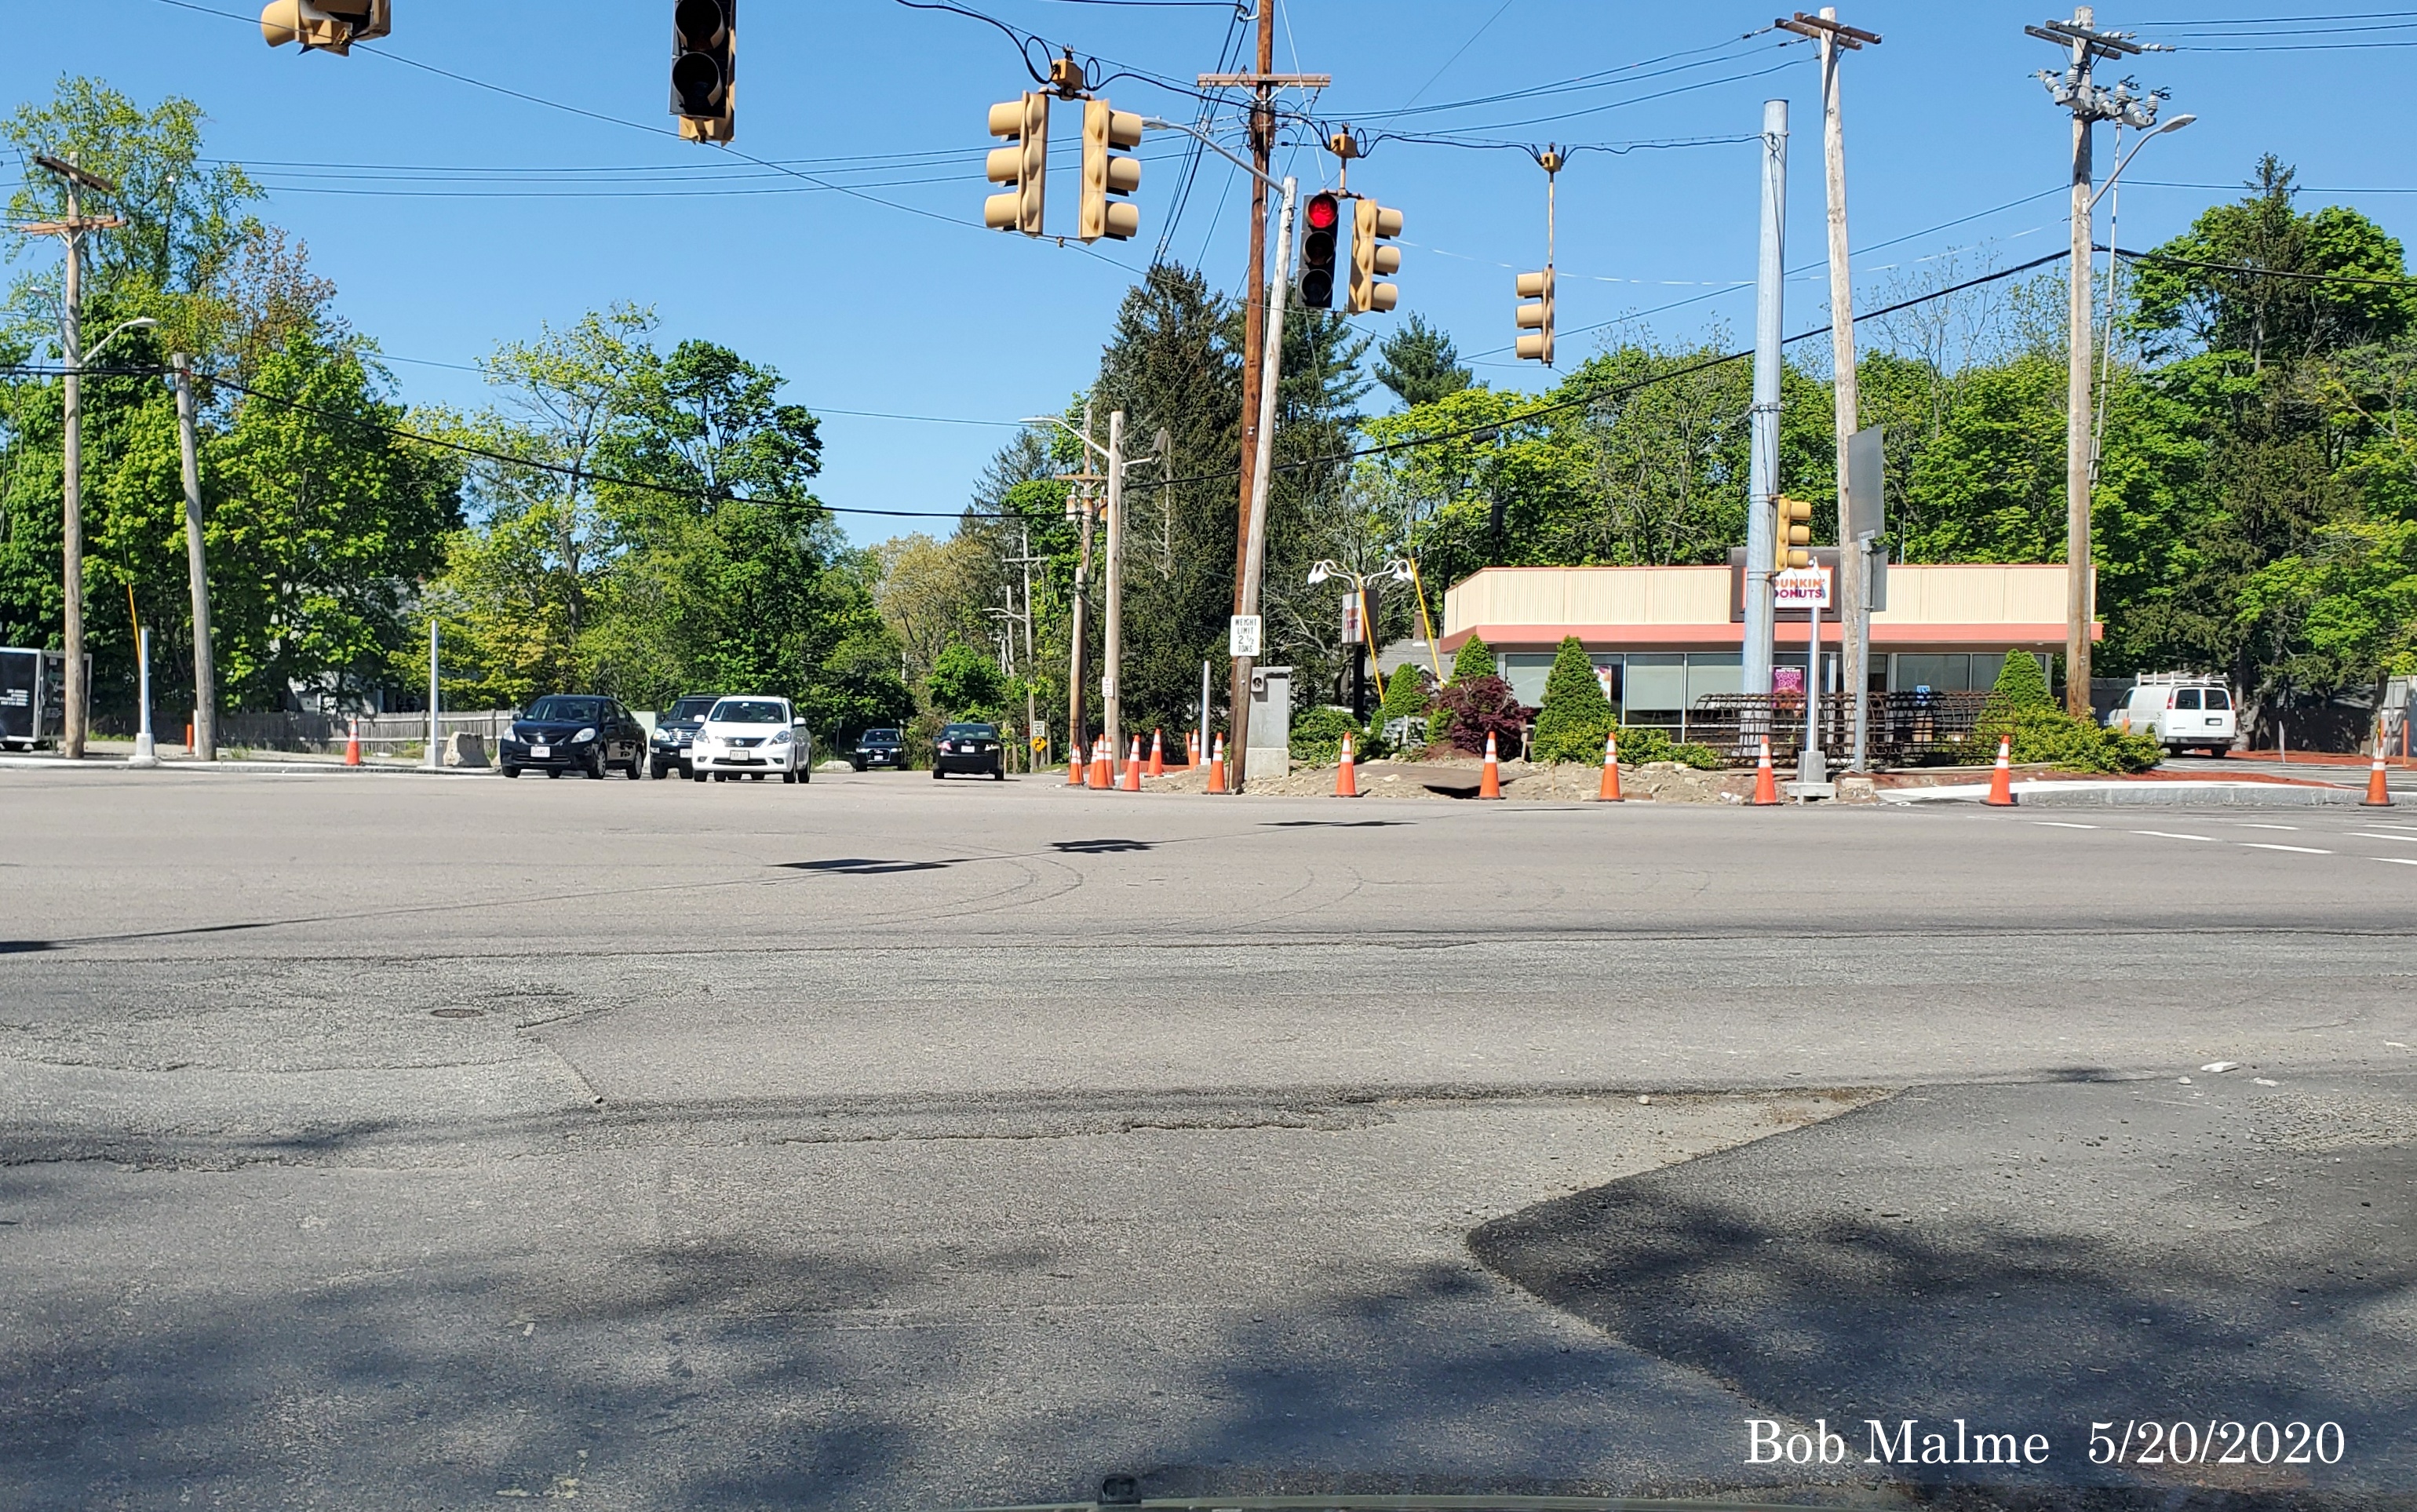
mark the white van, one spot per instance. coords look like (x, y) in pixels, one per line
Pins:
(2180, 710)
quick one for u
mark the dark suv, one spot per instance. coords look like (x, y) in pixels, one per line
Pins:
(676, 731)
(879, 748)
(574, 733)
(972, 749)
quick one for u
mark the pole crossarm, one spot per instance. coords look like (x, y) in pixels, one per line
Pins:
(1817, 27)
(1269, 80)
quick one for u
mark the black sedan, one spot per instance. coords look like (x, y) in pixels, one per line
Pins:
(969, 747)
(675, 733)
(879, 748)
(575, 733)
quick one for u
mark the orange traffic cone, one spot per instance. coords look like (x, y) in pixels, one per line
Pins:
(2378, 796)
(1131, 782)
(1156, 753)
(1609, 792)
(352, 745)
(2001, 781)
(1191, 749)
(1217, 767)
(1766, 787)
(1074, 766)
(1100, 778)
(1490, 784)
(1346, 779)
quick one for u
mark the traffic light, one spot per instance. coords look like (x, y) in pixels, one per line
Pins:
(1537, 318)
(1794, 536)
(329, 25)
(1023, 166)
(1323, 218)
(1371, 222)
(705, 48)
(1105, 174)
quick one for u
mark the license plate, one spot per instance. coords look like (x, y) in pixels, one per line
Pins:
(541, 751)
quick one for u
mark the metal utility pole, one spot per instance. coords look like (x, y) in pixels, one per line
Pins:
(435, 737)
(1762, 524)
(1112, 701)
(1255, 531)
(1836, 37)
(2074, 88)
(206, 695)
(72, 732)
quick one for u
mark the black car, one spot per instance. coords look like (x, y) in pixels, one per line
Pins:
(879, 748)
(969, 747)
(676, 731)
(575, 733)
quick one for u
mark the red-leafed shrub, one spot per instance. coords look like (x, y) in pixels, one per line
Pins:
(1481, 707)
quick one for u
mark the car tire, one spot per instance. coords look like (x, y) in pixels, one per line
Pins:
(637, 769)
(858, 764)
(551, 773)
(937, 774)
(511, 771)
(997, 776)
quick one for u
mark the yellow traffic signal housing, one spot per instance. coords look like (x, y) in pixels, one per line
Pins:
(1105, 174)
(1537, 318)
(1022, 167)
(1371, 224)
(705, 69)
(1795, 532)
(325, 25)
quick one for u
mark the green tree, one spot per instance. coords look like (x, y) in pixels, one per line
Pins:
(1576, 716)
(1419, 363)
(1474, 658)
(964, 684)
(2020, 683)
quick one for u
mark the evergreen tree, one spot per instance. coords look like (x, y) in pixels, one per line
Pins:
(1473, 659)
(2020, 683)
(1419, 363)
(1575, 715)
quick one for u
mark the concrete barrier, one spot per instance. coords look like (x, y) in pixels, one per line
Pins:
(467, 749)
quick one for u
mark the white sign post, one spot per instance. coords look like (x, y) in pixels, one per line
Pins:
(1242, 635)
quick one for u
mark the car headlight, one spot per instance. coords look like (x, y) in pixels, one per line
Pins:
(584, 736)
(782, 738)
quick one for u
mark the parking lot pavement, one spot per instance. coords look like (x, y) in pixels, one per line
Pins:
(890, 1142)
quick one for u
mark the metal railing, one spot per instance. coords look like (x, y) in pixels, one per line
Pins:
(387, 733)
(1902, 729)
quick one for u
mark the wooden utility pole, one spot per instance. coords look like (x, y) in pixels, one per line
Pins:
(205, 697)
(2074, 90)
(1264, 83)
(1834, 38)
(72, 732)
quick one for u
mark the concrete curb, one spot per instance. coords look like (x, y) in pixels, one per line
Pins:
(2137, 795)
(53, 764)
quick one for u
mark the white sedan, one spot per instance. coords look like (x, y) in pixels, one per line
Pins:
(750, 736)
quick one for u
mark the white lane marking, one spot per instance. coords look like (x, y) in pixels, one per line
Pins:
(2294, 828)
(2060, 823)
(2169, 835)
(2369, 835)
(2303, 850)
(2394, 860)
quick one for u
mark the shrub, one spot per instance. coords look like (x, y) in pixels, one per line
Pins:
(2021, 685)
(1641, 744)
(1475, 659)
(1479, 706)
(1576, 716)
(1409, 694)
(2050, 735)
(1317, 738)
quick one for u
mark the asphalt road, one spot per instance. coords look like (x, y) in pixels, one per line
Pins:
(384, 1140)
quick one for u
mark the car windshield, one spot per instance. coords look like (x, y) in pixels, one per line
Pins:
(557, 709)
(692, 708)
(878, 737)
(969, 731)
(749, 711)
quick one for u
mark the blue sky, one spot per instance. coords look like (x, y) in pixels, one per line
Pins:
(453, 217)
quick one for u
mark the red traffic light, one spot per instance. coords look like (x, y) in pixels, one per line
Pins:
(1324, 210)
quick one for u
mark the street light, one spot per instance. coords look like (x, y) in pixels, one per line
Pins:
(2125, 162)
(1326, 568)
(140, 323)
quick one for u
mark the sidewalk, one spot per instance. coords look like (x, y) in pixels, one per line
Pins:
(113, 755)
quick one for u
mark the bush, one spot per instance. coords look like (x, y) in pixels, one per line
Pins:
(1576, 716)
(1409, 694)
(1641, 744)
(1479, 706)
(2021, 685)
(1317, 738)
(2050, 735)
(1475, 659)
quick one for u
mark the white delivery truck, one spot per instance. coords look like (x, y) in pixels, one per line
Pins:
(2181, 711)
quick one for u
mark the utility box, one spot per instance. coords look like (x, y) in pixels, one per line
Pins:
(33, 696)
(1270, 753)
